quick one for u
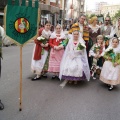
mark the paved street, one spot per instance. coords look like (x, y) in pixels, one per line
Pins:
(46, 100)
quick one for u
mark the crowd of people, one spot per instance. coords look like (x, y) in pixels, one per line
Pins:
(85, 51)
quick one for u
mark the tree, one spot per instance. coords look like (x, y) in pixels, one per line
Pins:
(117, 15)
(92, 15)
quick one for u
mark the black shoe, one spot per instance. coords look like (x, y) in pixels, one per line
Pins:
(35, 78)
(57, 77)
(110, 88)
(1, 106)
(53, 77)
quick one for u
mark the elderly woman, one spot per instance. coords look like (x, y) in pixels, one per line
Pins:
(94, 31)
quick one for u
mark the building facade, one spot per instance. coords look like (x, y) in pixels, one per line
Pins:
(50, 9)
(74, 8)
(99, 6)
(110, 9)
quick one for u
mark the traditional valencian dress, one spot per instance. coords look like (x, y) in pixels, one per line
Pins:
(110, 74)
(74, 65)
(97, 49)
(40, 53)
(55, 55)
(93, 33)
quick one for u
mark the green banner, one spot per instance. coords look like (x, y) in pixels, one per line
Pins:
(21, 21)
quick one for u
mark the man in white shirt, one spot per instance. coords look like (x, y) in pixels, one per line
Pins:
(107, 29)
(82, 19)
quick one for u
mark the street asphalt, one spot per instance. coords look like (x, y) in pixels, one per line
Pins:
(46, 100)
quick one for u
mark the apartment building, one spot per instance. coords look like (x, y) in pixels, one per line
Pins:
(50, 9)
(110, 9)
(74, 8)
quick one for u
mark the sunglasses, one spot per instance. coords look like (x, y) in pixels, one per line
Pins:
(107, 20)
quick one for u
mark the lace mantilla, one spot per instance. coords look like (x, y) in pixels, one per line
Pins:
(94, 29)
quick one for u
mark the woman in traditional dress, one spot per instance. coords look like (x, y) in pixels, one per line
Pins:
(74, 64)
(40, 51)
(96, 52)
(57, 50)
(110, 73)
(94, 31)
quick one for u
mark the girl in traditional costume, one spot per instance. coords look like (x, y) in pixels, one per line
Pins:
(74, 65)
(40, 51)
(97, 52)
(110, 73)
(57, 50)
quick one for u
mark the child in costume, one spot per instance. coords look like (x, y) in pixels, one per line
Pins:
(57, 50)
(96, 52)
(74, 65)
(110, 73)
(40, 51)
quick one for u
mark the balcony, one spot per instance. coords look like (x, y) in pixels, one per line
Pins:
(43, 7)
(2, 4)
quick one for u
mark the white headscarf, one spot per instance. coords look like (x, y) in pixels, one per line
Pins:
(62, 34)
(83, 58)
(117, 49)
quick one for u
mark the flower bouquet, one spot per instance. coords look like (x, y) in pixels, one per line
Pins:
(117, 58)
(81, 46)
(109, 52)
(64, 42)
(42, 39)
(97, 49)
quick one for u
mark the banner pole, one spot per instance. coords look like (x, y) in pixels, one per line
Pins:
(20, 109)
